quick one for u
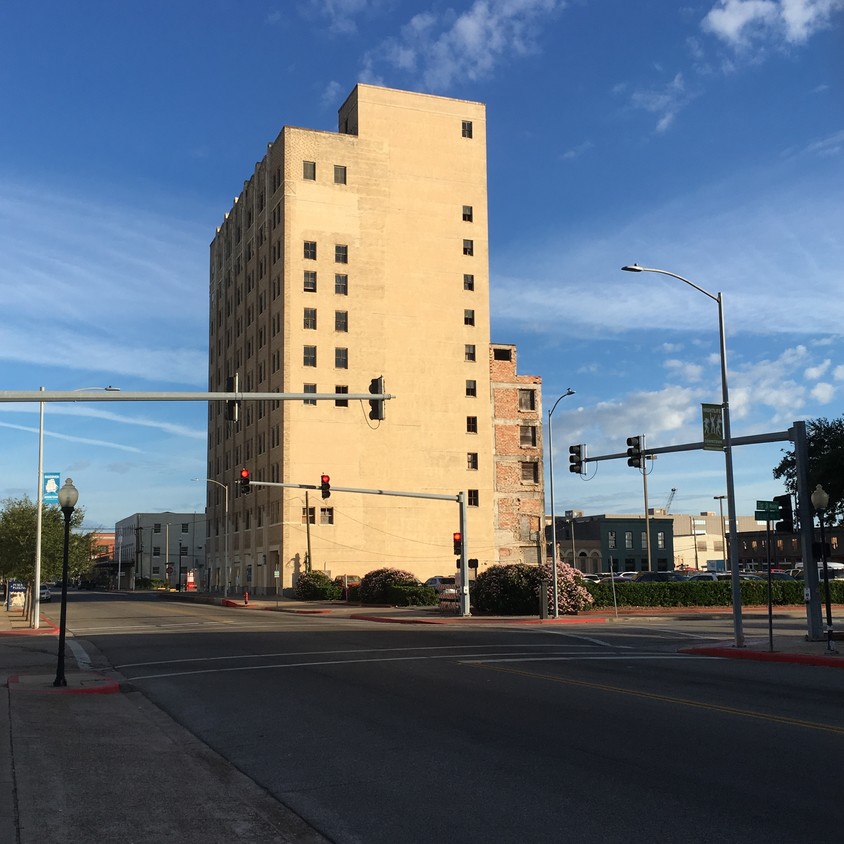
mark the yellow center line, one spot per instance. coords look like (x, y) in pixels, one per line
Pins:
(729, 710)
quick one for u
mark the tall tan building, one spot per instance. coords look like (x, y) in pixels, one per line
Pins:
(349, 256)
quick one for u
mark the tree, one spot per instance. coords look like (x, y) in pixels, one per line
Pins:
(826, 463)
(17, 541)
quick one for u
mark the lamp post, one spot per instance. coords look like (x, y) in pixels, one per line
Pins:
(554, 597)
(226, 552)
(68, 496)
(720, 500)
(728, 445)
(820, 501)
(39, 504)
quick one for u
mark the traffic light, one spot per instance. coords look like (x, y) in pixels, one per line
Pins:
(634, 451)
(458, 544)
(786, 522)
(577, 454)
(244, 482)
(376, 406)
(325, 486)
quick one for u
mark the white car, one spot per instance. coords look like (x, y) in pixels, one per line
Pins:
(445, 587)
(46, 594)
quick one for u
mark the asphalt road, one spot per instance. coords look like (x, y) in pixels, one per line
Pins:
(595, 733)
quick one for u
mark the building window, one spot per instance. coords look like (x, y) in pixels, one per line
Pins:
(471, 424)
(468, 247)
(341, 284)
(467, 213)
(660, 540)
(527, 436)
(530, 472)
(341, 358)
(466, 129)
(339, 174)
(310, 281)
(156, 528)
(341, 388)
(326, 515)
(309, 170)
(310, 250)
(341, 253)
(341, 320)
(527, 399)
(474, 498)
(611, 540)
(468, 281)
(472, 460)
(185, 527)
(469, 353)
(471, 389)
(468, 317)
(309, 388)
(309, 515)
(502, 354)
(628, 539)
(310, 318)
(156, 550)
(309, 356)
(644, 539)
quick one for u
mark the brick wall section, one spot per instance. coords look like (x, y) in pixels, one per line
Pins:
(519, 501)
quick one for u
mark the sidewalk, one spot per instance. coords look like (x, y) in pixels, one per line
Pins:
(63, 750)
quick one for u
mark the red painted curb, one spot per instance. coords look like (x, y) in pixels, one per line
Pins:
(475, 620)
(106, 687)
(767, 656)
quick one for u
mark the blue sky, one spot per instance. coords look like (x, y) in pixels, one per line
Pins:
(704, 138)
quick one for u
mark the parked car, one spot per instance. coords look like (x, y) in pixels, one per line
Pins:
(445, 587)
(658, 576)
(46, 594)
(590, 578)
(344, 581)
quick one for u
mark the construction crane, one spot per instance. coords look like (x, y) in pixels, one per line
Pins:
(670, 499)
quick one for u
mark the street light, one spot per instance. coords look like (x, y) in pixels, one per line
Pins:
(554, 597)
(728, 445)
(68, 496)
(39, 499)
(720, 500)
(820, 501)
(226, 552)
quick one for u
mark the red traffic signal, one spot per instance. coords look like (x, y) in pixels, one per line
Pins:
(244, 481)
(458, 544)
(325, 486)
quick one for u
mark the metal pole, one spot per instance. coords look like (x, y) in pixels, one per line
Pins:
(226, 554)
(731, 489)
(61, 680)
(308, 530)
(36, 599)
(647, 513)
(830, 636)
(720, 500)
(814, 624)
(554, 596)
(465, 600)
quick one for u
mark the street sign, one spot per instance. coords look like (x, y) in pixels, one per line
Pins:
(51, 481)
(276, 574)
(713, 427)
(767, 511)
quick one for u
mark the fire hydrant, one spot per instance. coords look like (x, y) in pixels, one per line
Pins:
(245, 597)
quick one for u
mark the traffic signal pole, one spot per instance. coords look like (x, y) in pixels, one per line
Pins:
(460, 498)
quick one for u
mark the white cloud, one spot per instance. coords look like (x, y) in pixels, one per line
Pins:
(690, 372)
(831, 145)
(823, 393)
(815, 372)
(838, 373)
(741, 23)
(442, 48)
(664, 101)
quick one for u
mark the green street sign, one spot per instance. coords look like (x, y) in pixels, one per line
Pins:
(771, 506)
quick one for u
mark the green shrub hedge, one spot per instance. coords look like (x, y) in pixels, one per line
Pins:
(706, 593)
(317, 586)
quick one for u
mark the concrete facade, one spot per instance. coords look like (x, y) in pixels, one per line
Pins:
(348, 256)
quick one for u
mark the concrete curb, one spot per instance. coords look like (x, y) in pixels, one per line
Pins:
(78, 683)
(767, 656)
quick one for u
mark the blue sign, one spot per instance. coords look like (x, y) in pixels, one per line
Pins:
(50, 484)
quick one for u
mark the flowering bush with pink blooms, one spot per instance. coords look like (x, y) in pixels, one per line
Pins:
(396, 587)
(514, 589)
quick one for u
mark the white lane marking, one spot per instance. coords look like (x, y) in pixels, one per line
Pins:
(584, 657)
(79, 654)
(278, 654)
(314, 664)
(590, 639)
